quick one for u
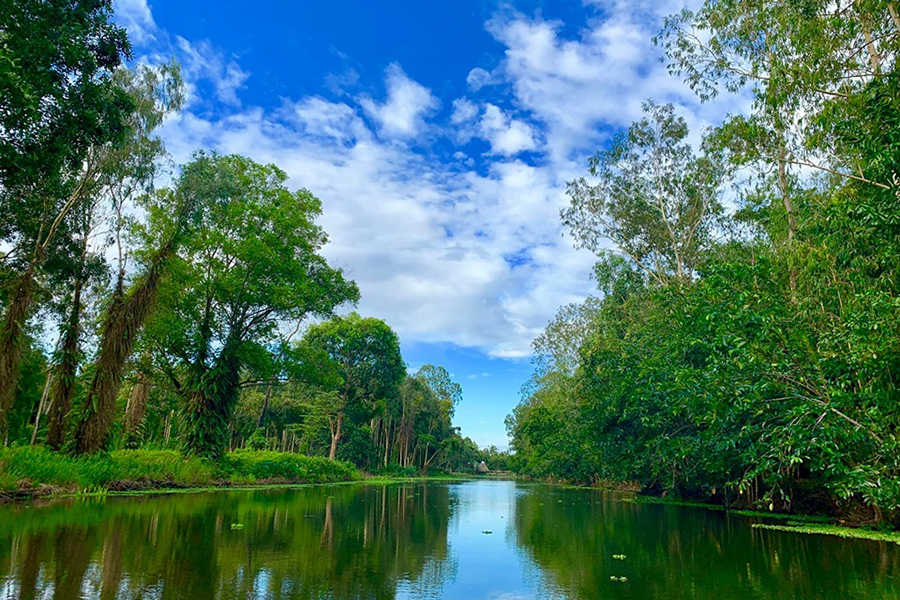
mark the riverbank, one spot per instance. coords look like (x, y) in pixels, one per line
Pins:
(35, 472)
(30, 472)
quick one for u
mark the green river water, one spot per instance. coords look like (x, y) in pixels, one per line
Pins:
(420, 540)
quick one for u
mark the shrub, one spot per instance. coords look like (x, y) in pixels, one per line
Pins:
(285, 465)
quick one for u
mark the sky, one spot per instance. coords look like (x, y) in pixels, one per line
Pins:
(439, 136)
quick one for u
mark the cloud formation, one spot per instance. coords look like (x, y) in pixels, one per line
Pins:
(460, 245)
(402, 112)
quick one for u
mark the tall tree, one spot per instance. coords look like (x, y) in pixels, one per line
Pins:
(125, 170)
(251, 263)
(58, 100)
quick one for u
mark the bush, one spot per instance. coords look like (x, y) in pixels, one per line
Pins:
(398, 471)
(285, 465)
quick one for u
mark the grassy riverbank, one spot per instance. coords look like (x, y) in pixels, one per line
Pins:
(32, 472)
(35, 471)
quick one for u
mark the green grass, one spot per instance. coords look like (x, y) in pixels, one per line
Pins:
(23, 469)
(844, 532)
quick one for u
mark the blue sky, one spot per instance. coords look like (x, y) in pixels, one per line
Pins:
(439, 136)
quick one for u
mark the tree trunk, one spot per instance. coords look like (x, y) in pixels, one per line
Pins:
(123, 322)
(66, 371)
(791, 217)
(135, 411)
(387, 439)
(335, 435)
(211, 396)
(42, 407)
(265, 407)
(11, 343)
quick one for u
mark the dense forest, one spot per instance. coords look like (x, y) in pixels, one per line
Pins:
(183, 307)
(742, 346)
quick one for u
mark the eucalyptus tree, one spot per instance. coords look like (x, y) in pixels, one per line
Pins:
(124, 171)
(58, 100)
(359, 359)
(654, 199)
(436, 429)
(250, 263)
(799, 60)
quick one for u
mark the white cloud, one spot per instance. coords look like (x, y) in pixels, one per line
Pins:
(479, 78)
(507, 136)
(137, 19)
(595, 79)
(319, 117)
(201, 61)
(408, 102)
(447, 249)
(464, 110)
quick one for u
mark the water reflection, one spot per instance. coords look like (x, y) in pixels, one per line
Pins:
(678, 552)
(496, 540)
(338, 542)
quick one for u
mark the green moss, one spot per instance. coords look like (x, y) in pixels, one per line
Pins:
(773, 515)
(844, 532)
(672, 501)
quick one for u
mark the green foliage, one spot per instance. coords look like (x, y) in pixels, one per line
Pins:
(842, 532)
(358, 360)
(767, 378)
(654, 199)
(250, 262)
(285, 465)
(57, 96)
(36, 465)
(23, 467)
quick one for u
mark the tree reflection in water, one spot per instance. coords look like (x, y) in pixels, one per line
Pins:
(339, 542)
(420, 541)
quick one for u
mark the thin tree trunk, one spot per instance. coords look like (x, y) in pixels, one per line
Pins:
(387, 439)
(335, 435)
(265, 407)
(791, 217)
(66, 371)
(167, 430)
(42, 407)
(893, 10)
(135, 412)
(874, 57)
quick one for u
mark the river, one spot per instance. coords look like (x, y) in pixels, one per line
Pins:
(498, 540)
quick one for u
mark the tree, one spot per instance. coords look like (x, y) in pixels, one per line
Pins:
(124, 170)
(357, 357)
(172, 215)
(58, 99)
(250, 263)
(654, 199)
